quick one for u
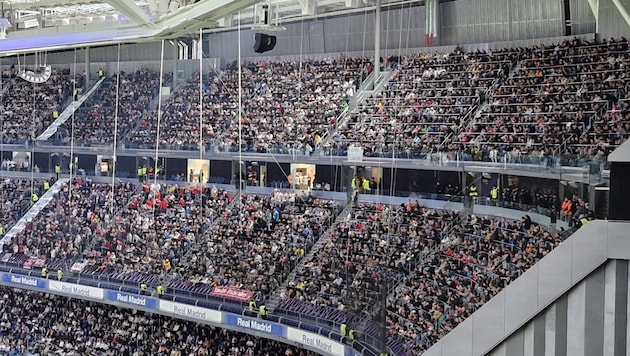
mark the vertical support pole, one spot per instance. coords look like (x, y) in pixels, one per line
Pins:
(377, 41)
(435, 23)
(175, 62)
(382, 315)
(87, 68)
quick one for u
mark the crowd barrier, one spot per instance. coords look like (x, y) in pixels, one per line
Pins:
(329, 344)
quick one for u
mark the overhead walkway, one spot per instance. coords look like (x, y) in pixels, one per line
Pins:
(33, 211)
(67, 113)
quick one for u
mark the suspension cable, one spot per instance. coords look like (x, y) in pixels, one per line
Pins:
(159, 117)
(72, 127)
(116, 109)
(240, 115)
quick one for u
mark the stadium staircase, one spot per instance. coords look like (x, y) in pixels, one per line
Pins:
(33, 211)
(276, 297)
(68, 112)
(368, 87)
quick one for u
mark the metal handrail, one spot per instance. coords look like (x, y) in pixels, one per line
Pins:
(186, 297)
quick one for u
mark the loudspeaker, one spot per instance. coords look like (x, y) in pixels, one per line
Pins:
(264, 43)
(619, 195)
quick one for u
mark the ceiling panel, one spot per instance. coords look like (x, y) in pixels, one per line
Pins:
(111, 21)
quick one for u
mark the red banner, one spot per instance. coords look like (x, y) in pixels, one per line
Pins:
(232, 293)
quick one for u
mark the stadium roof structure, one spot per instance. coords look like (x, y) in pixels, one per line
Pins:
(32, 25)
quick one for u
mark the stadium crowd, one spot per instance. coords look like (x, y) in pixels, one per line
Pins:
(33, 323)
(28, 109)
(521, 103)
(375, 243)
(531, 100)
(443, 269)
(473, 262)
(16, 198)
(553, 98)
(190, 233)
(180, 119)
(123, 227)
(287, 105)
(426, 100)
(94, 121)
(256, 243)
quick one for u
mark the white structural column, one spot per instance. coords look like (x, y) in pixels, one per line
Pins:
(377, 40)
(575, 320)
(609, 308)
(131, 10)
(309, 7)
(550, 331)
(622, 10)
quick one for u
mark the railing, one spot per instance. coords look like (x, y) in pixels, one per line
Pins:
(315, 325)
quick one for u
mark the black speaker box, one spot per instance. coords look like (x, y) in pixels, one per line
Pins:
(264, 43)
(618, 207)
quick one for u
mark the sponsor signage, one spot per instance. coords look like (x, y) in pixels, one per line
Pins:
(253, 324)
(131, 299)
(190, 311)
(33, 282)
(314, 341)
(76, 290)
(241, 295)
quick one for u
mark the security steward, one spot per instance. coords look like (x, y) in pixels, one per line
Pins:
(252, 305)
(262, 311)
(494, 194)
(44, 272)
(473, 192)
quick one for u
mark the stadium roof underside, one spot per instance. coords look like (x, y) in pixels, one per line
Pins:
(37, 25)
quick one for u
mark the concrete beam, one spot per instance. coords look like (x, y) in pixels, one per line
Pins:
(226, 21)
(594, 7)
(622, 10)
(309, 7)
(131, 10)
